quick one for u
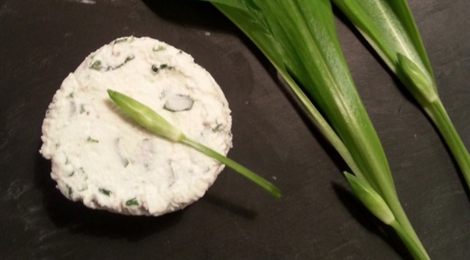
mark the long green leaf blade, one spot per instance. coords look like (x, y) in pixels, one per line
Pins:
(261, 35)
(323, 73)
(329, 83)
(383, 28)
(260, 181)
(405, 16)
(299, 37)
(389, 27)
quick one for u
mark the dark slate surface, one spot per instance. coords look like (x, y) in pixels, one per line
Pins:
(42, 41)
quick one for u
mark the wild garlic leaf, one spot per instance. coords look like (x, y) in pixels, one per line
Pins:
(389, 27)
(370, 198)
(299, 38)
(418, 79)
(145, 116)
(155, 123)
(132, 202)
(104, 191)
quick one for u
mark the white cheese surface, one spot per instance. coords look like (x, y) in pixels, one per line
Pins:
(103, 158)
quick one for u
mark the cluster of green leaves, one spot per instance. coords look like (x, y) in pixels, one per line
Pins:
(389, 27)
(300, 39)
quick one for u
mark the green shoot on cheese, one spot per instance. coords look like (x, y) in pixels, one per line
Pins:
(156, 124)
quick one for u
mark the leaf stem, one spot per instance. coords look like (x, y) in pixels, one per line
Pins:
(263, 183)
(438, 114)
(404, 223)
(323, 125)
(413, 247)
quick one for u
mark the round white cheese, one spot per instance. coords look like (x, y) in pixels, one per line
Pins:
(103, 158)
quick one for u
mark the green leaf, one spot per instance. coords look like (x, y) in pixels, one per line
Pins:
(389, 27)
(256, 28)
(309, 51)
(91, 140)
(410, 242)
(405, 16)
(132, 202)
(145, 116)
(128, 58)
(96, 65)
(155, 123)
(260, 181)
(159, 48)
(104, 191)
(299, 38)
(125, 162)
(370, 198)
(69, 191)
(419, 82)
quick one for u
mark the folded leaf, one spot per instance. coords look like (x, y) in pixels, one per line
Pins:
(371, 199)
(146, 117)
(417, 79)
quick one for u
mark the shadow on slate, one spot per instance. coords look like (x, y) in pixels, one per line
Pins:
(77, 218)
(403, 90)
(197, 14)
(229, 206)
(370, 222)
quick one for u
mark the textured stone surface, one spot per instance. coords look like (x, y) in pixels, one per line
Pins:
(317, 218)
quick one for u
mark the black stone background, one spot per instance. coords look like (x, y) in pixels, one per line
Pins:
(41, 41)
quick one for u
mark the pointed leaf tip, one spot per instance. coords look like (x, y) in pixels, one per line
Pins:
(145, 116)
(113, 95)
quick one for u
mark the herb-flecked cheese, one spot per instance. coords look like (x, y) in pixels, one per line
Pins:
(103, 158)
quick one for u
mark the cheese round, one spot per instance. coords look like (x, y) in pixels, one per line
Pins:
(103, 158)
